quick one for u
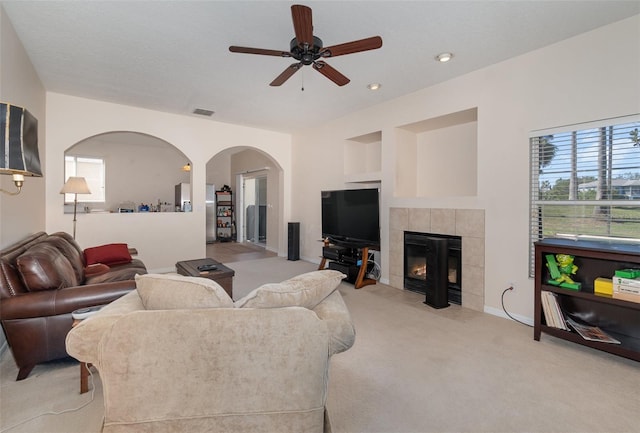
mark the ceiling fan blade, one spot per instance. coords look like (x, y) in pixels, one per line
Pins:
(367, 44)
(302, 24)
(247, 50)
(330, 72)
(286, 74)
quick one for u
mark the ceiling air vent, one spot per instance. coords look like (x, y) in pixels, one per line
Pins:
(203, 112)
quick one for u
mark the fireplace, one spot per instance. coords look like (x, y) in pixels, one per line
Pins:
(433, 267)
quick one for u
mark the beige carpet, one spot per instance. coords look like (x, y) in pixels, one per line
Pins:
(412, 369)
(226, 252)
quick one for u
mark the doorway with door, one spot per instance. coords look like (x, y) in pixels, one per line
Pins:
(254, 191)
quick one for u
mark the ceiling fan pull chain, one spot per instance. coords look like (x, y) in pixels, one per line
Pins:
(302, 77)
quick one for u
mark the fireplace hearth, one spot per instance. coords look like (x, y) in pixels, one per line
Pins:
(433, 267)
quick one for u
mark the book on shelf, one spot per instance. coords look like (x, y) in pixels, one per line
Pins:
(552, 311)
(559, 316)
(591, 333)
(546, 309)
(625, 285)
(626, 297)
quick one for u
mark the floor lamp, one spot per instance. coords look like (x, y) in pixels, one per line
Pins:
(75, 186)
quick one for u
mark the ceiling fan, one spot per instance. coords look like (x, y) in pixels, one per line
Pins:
(307, 49)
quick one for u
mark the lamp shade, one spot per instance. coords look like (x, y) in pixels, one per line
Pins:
(75, 185)
(18, 141)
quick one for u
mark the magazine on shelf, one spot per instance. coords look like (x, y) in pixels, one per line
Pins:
(591, 333)
(552, 311)
(546, 308)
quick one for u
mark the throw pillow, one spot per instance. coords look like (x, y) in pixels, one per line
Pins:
(175, 292)
(305, 290)
(43, 267)
(109, 254)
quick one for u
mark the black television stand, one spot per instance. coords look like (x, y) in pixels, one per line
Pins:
(350, 261)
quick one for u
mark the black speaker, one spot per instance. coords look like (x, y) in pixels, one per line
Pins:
(293, 252)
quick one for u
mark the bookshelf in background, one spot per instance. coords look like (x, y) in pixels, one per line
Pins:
(618, 318)
(224, 216)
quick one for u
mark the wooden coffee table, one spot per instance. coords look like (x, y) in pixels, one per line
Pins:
(223, 275)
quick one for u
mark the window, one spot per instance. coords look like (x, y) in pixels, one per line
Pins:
(585, 181)
(92, 169)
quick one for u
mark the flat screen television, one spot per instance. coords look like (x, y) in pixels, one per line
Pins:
(351, 217)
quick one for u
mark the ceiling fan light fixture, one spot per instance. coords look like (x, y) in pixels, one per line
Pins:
(444, 57)
(308, 49)
(374, 86)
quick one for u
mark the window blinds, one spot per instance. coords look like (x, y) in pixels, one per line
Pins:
(585, 180)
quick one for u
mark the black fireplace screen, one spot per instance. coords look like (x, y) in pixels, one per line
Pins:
(416, 259)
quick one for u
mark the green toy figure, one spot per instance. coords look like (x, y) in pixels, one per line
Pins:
(566, 268)
(561, 267)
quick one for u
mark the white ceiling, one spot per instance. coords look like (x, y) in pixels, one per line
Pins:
(173, 55)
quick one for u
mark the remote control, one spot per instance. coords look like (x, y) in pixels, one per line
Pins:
(83, 313)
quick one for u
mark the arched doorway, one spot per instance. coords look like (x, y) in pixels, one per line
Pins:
(255, 180)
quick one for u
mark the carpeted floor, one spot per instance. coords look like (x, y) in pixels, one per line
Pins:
(226, 252)
(413, 369)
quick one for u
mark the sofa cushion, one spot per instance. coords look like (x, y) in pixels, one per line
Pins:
(67, 237)
(127, 271)
(173, 292)
(71, 253)
(305, 290)
(109, 254)
(44, 267)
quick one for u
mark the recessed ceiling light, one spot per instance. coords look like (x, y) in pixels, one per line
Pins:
(444, 57)
(374, 86)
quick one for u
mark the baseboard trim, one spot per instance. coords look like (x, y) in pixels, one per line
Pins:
(500, 313)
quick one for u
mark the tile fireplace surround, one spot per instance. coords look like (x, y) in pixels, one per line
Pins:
(466, 223)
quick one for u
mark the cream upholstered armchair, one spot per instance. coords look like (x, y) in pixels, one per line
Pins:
(179, 355)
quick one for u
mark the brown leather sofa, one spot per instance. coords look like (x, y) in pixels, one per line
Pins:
(43, 279)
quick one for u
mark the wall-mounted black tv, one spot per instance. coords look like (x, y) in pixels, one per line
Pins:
(351, 217)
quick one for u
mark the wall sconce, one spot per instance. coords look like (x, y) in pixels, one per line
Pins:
(18, 145)
(186, 167)
(75, 186)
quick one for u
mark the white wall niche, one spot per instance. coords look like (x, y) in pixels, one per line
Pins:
(442, 153)
(363, 158)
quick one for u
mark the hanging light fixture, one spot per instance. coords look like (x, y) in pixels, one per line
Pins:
(18, 145)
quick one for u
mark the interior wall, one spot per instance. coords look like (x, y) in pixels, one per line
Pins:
(162, 239)
(219, 169)
(22, 214)
(447, 161)
(562, 84)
